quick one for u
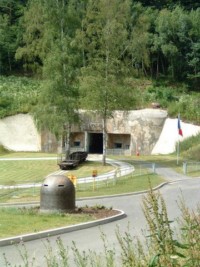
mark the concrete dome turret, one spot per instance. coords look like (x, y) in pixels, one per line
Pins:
(57, 194)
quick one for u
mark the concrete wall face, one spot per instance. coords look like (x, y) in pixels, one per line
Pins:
(78, 140)
(135, 131)
(19, 133)
(119, 141)
(48, 142)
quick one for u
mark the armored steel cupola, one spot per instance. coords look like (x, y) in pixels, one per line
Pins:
(57, 194)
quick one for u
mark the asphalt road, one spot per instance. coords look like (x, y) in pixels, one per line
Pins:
(90, 239)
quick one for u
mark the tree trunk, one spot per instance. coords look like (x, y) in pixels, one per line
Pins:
(104, 141)
(67, 141)
(157, 67)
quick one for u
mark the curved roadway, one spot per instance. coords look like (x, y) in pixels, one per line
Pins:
(90, 239)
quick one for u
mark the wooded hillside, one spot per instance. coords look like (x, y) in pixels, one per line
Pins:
(101, 55)
(158, 38)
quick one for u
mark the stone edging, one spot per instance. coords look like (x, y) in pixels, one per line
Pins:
(61, 230)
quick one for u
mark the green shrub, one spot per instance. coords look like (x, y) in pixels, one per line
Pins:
(193, 153)
(17, 95)
(161, 249)
(190, 148)
(190, 142)
(160, 94)
(3, 150)
(188, 106)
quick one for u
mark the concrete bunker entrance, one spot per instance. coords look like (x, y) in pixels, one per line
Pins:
(96, 143)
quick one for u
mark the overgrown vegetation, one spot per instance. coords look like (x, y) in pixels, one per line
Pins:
(164, 246)
(3, 150)
(188, 105)
(190, 148)
(17, 95)
(20, 95)
(66, 49)
(66, 44)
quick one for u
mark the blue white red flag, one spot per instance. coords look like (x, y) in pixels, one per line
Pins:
(180, 132)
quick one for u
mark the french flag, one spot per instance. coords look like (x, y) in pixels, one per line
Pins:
(180, 132)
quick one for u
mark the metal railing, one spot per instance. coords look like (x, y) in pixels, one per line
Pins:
(118, 151)
(110, 179)
(191, 167)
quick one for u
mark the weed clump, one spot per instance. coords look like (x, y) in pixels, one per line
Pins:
(160, 249)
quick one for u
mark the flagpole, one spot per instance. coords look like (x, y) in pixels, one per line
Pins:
(178, 150)
(179, 133)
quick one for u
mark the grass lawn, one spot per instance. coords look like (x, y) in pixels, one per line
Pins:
(16, 221)
(27, 155)
(127, 184)
(164, 160)
(21, 221)
(33, 171)
(14, 172)
(25, 171)
(86, 169)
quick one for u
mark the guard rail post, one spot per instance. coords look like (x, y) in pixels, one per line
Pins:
(185, 167)
(154, 167)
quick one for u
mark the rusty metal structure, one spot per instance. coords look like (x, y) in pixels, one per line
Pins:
(57, 194)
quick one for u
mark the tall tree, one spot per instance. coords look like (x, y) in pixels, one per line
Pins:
(140, 40)
(10, 34)
(193, 53)
(171, 37)
(103, 39)
(49, 43)
(60, 68)
(161, 4)
(36, 36)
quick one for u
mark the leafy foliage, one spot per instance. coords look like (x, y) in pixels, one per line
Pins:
(163, 95)
(161, 38)
(10, 34)
(20, 95)
(50, 49)
(188, 105)
(17, 95)
(161, 249)
(88, 52)
(103, 37)
(190, 148)
(161, 4)
(3, 150)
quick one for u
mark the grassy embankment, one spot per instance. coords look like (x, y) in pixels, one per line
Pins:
(29, 171)
(34, 171)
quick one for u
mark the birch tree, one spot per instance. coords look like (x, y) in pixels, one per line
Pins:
(103, 39)
(49, 38)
